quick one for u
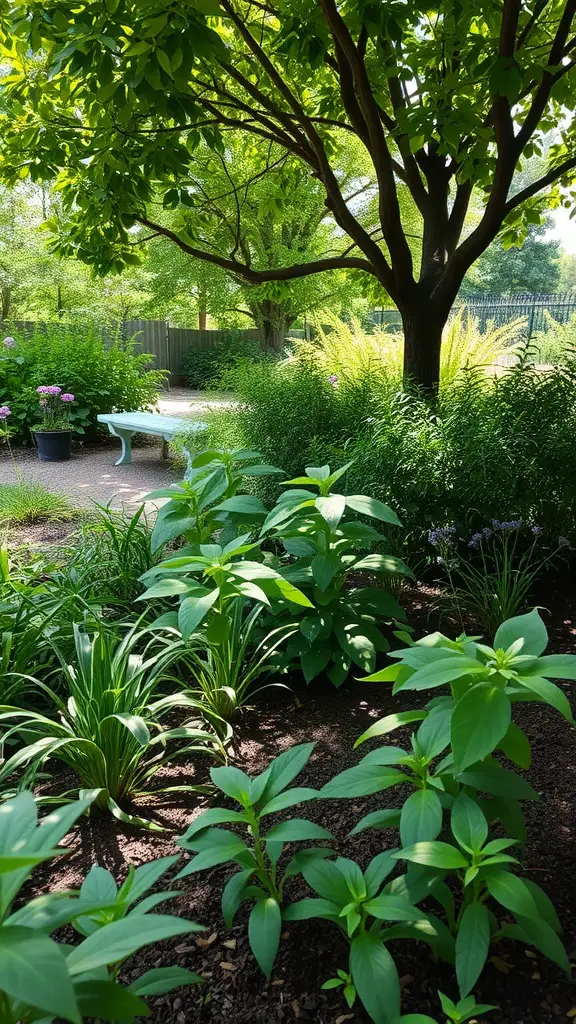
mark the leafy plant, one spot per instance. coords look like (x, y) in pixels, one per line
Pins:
(329, 547)
(463, 729)
(203, 367)
(455, 1013)
(109, 729)
(30, 502)
(206, 500)
(259, 878)
(226, 673)
(210, 582)
(503, 562)
(41, 978)
(116, 547)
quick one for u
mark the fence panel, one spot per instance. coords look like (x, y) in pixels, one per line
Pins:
(498, 309)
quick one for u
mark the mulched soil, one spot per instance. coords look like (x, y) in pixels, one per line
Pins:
(528, 988)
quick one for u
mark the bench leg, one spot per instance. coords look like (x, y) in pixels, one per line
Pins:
(126, 439)
(165, 440)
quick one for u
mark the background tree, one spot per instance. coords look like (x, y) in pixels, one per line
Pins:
(533, 267)
(117, 98)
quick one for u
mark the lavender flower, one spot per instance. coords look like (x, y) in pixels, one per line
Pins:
(507, 525)
(487, 533)
(536, 530)
(5, 412)
(333, 380)
(475, 540)
(563, 542)
(67, 397)
(9, 342)
(441, 535)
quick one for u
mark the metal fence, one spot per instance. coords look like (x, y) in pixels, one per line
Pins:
(499, 309)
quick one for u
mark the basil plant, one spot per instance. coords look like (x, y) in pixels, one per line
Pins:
(44, 980)
(206, 500)
(330, 550)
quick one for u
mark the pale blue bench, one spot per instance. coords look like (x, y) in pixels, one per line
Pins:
(124, 424)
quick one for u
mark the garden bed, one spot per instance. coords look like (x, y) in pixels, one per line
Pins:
(527, 987)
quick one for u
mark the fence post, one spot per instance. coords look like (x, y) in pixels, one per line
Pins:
(167, 363)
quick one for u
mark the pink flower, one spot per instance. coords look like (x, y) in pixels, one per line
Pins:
(333, 380)
(5, 412)
(9, 342)
(67, 397)
(48, 389)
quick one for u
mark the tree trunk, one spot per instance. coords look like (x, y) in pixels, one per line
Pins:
(272, 323)
(202, 319)
(6, 299)
(422, 346)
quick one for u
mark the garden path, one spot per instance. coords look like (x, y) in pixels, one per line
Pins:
(91, 474)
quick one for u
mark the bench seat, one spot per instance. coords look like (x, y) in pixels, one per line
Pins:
(125, 424)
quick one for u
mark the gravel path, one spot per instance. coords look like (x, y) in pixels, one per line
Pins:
(92, 476)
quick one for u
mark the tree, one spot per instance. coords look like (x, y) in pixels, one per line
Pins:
(119, 94)
(534, 266)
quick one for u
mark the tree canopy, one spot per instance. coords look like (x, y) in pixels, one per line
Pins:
(114, 97)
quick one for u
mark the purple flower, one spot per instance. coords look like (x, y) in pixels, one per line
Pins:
(9, 342)
(67, 397)
(536, 530)
(48, 389)
(475, 540)
(441, 535)
(487, 533)
(333, 380)
(507, 525)
(563, 542)
(5, 412)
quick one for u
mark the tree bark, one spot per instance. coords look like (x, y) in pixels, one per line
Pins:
(202, 319)
(273, 323)
(422, 346)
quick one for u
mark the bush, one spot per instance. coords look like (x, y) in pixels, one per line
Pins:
(30, 502)
(203, 367)
(492, 447)
(104, 378)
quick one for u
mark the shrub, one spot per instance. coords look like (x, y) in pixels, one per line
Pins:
(204, 367)
(103, 378)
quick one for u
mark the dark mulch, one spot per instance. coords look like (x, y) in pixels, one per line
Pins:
(528, 988)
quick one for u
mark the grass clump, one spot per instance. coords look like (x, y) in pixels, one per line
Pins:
(25, 503)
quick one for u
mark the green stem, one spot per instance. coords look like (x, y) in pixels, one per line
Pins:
(265, 872)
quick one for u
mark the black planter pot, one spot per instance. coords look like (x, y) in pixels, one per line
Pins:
(53, 445)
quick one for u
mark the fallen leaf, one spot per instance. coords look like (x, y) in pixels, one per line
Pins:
(500, 965)
(296, 1007)
(405, 980)
(343, 1017)
(572, 1012)
(226, 966)
(528, 952)
(207, 942)
(278, 981)
(230, 943)
(285, 935)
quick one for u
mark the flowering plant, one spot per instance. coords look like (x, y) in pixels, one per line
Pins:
(54, 407)
(503, 560)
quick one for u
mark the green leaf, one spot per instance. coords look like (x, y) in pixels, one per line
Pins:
(213, 816)
(378, 870)
(244, 504)
(362, 780)
(375, 978)
(512, 892)
(479, 721)
(118, 940)
(541, 935)
(163, 979)
(232, 894)
(372, 507)
(443, 671)
(550, 694)
(289, 798)
(555, 666)
(433, 736)
(232, 781)
(327, 880)
(516, 746)
(193, 610)
(491, 778)
(325, 568)
(389, 818)
(33, 971)
(390, 723)
(421, 817)
(383, 563)
(472, 945)
(166, 588)
(304, 910)
(544, 905)
(528, 627)
(434, 854)
(264, 929)
(214, 855)
(106, 1000)
(296, 830)
(393, 908)
(331, 508)
(469, 826)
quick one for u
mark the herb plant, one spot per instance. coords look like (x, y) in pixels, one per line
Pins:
(313, 525)
(42, 979)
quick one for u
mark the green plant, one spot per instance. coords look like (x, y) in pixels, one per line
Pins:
(226, 673)
(259, 878)
(206, 499)
(503, 562)
(313, 524)
(104, 377)
(203, 367)
(30, 502)
(455, 1013)
(225, 577)
(42, 979)
(115, 548)
(463, 729)
(109, 729)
